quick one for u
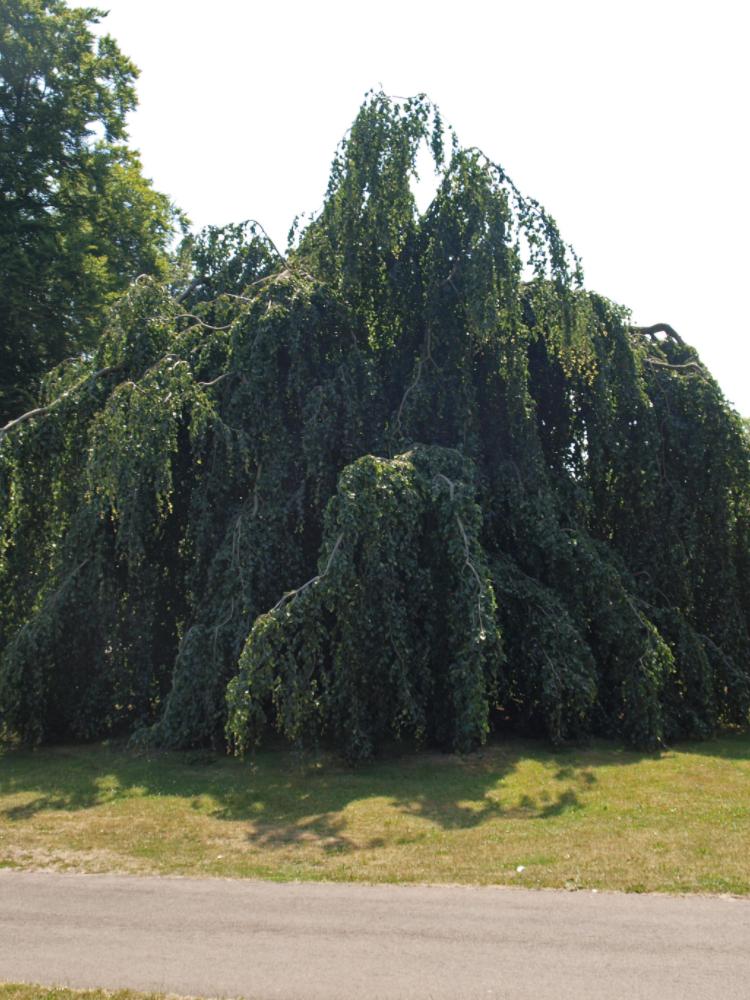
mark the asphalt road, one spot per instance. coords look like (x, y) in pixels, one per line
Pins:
(263, 940)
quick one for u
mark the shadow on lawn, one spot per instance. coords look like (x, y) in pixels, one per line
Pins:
(732, 745)
(286, 800)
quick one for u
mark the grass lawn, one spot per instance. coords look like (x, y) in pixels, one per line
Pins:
(601, 817)
(26, 991)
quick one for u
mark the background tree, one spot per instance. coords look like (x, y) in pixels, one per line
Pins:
(78, 221)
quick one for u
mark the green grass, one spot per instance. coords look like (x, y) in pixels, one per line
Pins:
(601, 817)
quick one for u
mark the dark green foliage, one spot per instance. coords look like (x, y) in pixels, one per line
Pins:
(511, 508)
(78, 221)
(397, 633)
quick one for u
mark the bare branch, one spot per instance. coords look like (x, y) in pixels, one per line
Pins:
(255, 489)
(218, 627)
(665, 364)
(651, 331)
(215, 381)
(425, 356)
(293, 594)
(449, 482)
(467, 553)
(477, 577)
(194, 284)
(202, 323)
(41, 411)
(279, 254)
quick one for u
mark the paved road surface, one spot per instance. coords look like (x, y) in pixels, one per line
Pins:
(263, 940)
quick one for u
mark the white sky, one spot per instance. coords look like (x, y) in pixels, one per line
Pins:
(627, 120)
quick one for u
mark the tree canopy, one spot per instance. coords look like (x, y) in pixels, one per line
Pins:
(78, 221)
(410, 480)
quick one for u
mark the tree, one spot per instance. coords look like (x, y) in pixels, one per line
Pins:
(78, 221)
(392, 485)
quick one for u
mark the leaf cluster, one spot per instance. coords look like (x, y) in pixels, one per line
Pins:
(78, 220)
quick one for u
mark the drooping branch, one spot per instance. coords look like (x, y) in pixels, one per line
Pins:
(475, 572)
(651, 331)
(669, 331)
(467, 552)
(279, 254)
(215, 381)
(255, 489)
(424, 357)
(202, 323)
(194, 285)
(41, 411)
(292, 594)
(199, 280)
(665, 364)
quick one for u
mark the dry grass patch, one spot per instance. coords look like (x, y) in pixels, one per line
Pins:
(32, 991)
(601, 817)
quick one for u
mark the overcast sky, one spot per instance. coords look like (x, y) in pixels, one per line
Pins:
(628, 121)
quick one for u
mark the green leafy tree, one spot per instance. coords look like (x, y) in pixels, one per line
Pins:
(78, 221)
(411, 481)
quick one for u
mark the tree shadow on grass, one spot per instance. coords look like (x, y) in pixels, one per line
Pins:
(731, 745)
(450, 792)
(288, 801)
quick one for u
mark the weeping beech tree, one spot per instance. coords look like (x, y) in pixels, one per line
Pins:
(409, 481)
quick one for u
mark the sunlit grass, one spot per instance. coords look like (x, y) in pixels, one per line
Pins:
(27, 991)
(601, 817)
